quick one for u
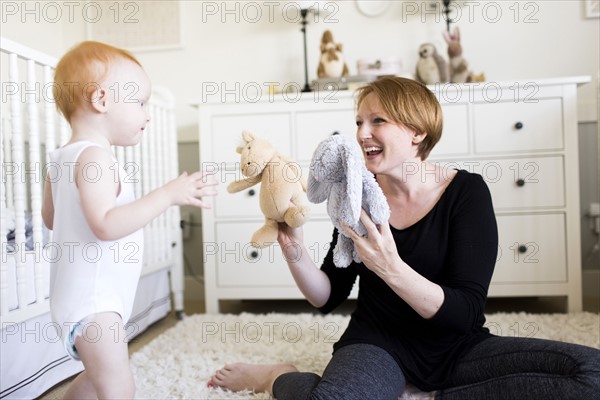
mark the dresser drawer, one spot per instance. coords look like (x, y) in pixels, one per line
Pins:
(312, 127)
(532, 248)
(241, 204)
(519, 183)
(518, 127)
(455, 134)
(239, 264)
(227, 133)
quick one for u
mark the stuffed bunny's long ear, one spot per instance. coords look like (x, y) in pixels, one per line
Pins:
(351, 160)
(317, 192)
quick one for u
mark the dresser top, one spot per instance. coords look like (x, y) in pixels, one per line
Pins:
(253, 92)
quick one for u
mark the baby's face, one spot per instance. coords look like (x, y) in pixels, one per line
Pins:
(128, 89)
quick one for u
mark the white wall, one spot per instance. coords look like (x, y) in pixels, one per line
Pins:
(233, 45)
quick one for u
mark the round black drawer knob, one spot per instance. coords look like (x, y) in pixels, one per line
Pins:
(520, 182)
(519, 125)
(522, 248)
(251, 192)
(254, 254)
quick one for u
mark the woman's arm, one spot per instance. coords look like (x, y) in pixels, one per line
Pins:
(378, 252)
(312, 282)
(98, 196)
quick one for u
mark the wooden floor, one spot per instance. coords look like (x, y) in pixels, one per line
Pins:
(533, 305)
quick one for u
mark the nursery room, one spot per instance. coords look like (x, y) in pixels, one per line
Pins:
(275, 102)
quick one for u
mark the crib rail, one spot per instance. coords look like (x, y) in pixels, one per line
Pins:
(30, 129)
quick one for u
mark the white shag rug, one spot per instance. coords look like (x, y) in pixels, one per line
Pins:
(178, 363)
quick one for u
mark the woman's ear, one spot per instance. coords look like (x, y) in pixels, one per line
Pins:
(418, 137)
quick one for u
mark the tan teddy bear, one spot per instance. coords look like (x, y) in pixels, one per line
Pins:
(282, 189)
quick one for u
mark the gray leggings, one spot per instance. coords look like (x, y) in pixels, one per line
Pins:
(497, 368)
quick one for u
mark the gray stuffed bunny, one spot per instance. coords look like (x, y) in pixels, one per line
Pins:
(338, 174)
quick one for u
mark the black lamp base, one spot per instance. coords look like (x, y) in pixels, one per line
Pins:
(304, 22)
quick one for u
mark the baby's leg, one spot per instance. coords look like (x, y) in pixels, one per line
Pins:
(103, 351)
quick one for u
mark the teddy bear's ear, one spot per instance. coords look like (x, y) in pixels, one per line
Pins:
(239, 149)
(248, 136)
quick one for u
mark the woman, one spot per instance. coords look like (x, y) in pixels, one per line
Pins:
(423, 283)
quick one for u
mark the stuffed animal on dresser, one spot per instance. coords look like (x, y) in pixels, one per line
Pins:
(338, 174)
(431, 67)
(282, 187)
(458, 67)
(331, 64)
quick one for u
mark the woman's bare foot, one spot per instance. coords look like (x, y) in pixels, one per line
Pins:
(255, 377)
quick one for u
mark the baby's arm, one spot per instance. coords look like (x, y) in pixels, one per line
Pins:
(98, 196)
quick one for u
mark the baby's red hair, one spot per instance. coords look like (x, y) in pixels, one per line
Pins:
(80, 72)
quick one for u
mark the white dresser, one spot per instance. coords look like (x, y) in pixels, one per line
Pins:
(520, 136)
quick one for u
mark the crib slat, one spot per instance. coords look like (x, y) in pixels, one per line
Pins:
(154, 154)
(162, 222)
(145, 189)
(3, 231)
(18, 183)
(8, 162)
(35, 182)
(137, 165)
(175, 239)
(49, 115)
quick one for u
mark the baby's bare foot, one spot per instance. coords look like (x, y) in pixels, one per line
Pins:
(255, 377)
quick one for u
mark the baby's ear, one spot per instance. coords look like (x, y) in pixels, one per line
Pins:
(239, 149)
(98, 99)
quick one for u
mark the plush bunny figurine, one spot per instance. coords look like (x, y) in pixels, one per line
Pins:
(459, 69)
(338, 174)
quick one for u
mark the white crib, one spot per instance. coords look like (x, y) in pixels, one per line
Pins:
(32, 359)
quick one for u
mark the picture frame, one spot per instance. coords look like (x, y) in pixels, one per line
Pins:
(592, 8)
(137, 25)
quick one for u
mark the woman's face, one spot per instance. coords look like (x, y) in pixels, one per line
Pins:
(388, 146)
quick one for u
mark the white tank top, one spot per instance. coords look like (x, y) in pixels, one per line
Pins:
(88, 275)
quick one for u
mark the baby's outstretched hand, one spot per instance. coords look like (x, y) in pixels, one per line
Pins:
(189, 190)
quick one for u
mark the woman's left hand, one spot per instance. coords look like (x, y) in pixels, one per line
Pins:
(378, 249)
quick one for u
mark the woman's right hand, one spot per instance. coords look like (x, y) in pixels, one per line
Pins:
(290, 240)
